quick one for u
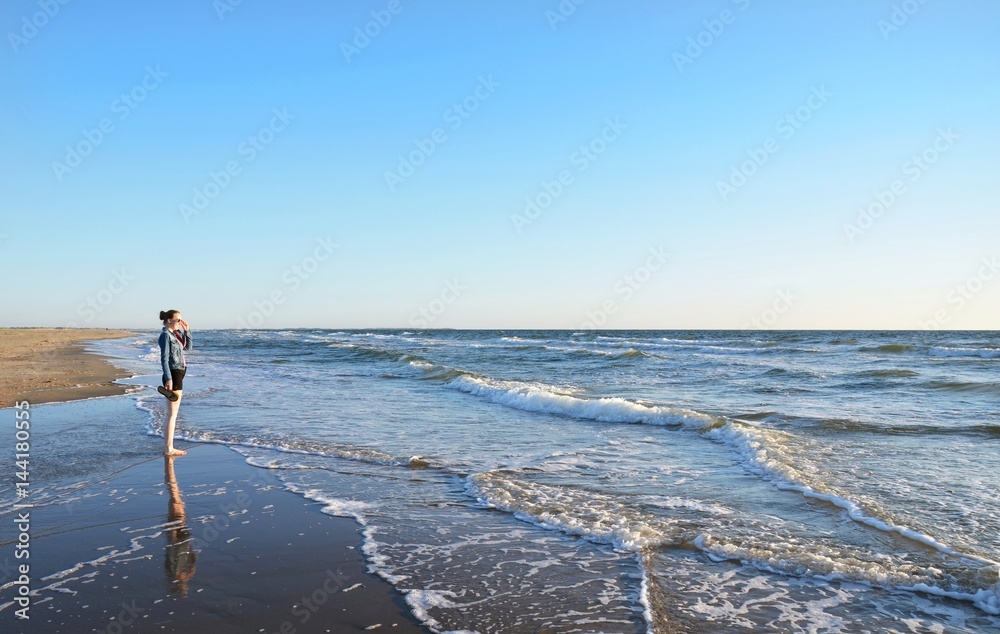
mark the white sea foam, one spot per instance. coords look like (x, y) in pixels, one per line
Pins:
(378, 562)
(982, 353)
(644, 598)
(594, 516)
(763, 452)
(422, 601)
(988, 599)
(828, 563)
(606, 519)
(541, 398)
(335, 506)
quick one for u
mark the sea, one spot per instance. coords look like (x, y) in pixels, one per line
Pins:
(626, 481)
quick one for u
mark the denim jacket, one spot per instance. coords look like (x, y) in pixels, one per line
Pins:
(172, 353)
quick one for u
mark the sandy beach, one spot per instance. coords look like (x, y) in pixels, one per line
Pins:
(45, 365)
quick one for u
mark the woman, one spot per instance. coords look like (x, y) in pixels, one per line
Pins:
(174, 340)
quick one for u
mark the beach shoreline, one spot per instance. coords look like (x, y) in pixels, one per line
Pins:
(461, 471)
(204, 542)
(51, 365)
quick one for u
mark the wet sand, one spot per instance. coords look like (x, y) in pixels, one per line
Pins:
(204, 543)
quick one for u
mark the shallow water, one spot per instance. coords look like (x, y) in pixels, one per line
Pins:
(630, 481)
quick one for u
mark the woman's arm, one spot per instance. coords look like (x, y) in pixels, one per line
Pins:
(187, 335)
(165, 356)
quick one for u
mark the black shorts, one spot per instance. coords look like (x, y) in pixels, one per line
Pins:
(177, 377)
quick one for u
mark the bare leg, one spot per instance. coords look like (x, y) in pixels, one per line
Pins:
(168, 430)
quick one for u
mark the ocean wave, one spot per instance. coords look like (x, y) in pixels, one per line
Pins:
(768, 415)
(546, 399)
(362, 353)
(726, 350)
(935, 351)
(899, 373)
(276, 443)
(695, 342)
(632, 353)
(851, 426)
(960, 580)
(527, 336)
(981, 353)
(614, 353)
(854, 426)
(968, 387)
(605, 518)
(526, 396)
(794, 373)
(848, 426)
(592, 515)
(573, 349)
(337, 507)
(890, 348)
(768, 452)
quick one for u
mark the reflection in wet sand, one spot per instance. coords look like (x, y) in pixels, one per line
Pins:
(179, 556)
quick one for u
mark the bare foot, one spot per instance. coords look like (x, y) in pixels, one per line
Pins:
(174, 453)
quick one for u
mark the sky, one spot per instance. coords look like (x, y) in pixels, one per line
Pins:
(572, 164)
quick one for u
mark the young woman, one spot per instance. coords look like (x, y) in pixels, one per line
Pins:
(174, 340)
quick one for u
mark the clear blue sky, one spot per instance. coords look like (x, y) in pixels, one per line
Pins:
(693, 164)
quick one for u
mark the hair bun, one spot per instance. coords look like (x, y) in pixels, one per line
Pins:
(163, 315)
